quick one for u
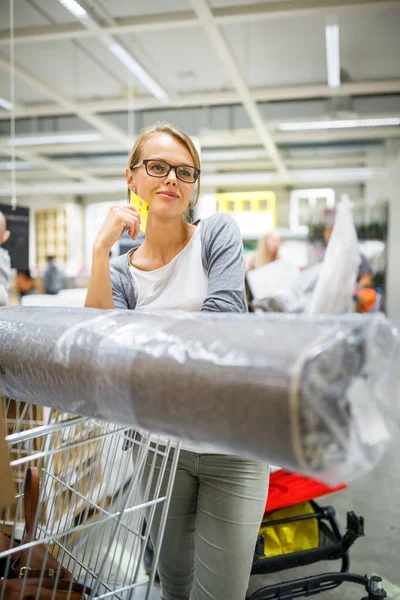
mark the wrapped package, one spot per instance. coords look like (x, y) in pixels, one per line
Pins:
(293, 297)
(335, 287)
(325, 288)
(309, 394)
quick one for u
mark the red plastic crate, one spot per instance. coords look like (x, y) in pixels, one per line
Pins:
(286, 489)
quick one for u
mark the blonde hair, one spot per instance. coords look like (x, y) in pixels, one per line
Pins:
(173, 131)
(262, 254)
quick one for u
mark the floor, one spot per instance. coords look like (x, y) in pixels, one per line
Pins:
(376, 496)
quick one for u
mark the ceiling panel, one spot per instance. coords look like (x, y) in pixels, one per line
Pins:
(24, 15)
(124, 8)
(51, 10)
(23, 92)
(112, 68)
(226, 3)
(67, 69)
(185, 59)
(273, 53)
(370, 43)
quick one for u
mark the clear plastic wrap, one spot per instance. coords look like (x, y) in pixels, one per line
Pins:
(295, 296)
(309, 394)
(335, 287)
(327, 287)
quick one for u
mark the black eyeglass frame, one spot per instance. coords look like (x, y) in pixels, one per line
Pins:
(147, 160)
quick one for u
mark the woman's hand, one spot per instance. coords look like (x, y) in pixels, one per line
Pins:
(119, 218)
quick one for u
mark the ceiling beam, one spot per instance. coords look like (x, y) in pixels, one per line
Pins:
(115, 45)
(215, 161)
(240, 138)
(276, 9)
(51, 165)
(223, 51)
(255, 166)
(248, 138)
(266, 94)
(283, 9)
(211, 181)
(99, 123)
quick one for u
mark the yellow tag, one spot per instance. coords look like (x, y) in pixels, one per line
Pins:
(143, 209)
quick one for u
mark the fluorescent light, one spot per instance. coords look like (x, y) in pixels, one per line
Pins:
(340, 124)
(18, 166)
(118, 51)
(74, 8)
(233, 154)
(55, 139)
(138, 70)
(332, 55)
(5, 104)
(347, 174)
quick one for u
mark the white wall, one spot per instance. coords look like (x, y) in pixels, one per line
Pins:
(94, 216)
(393, 271)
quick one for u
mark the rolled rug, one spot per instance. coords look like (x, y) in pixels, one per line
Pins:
(306, 393)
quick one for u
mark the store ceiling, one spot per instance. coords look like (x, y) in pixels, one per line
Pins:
(233, 72)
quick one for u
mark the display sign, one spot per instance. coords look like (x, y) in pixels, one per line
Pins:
(18, 242)
(255, 212)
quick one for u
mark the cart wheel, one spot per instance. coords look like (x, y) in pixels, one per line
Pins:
(375, 589)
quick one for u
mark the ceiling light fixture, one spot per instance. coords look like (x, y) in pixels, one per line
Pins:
(234, 154)
(19, 166)
(74, 8)
(138, 70)
(340, 124)
(332, 55)
(55, 139)
(80, 13)
(119, 52)
(5, 104)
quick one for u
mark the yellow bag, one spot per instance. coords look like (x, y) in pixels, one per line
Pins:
(290, 537)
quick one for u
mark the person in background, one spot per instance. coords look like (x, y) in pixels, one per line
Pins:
(53, 280)
(364, 277)
(217, 500)
(5, 263)
(25, 283)
(267, 251)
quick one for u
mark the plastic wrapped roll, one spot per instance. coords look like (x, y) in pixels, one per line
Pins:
(307, 394)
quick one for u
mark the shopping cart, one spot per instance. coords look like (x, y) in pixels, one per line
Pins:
(90, 528)
(329, 543)
(92, 524)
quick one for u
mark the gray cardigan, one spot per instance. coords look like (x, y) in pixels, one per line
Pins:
(222, 256)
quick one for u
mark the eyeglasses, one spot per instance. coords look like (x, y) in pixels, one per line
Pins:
(159, 168)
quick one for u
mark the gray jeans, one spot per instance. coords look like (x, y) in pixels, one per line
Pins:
(216, 508)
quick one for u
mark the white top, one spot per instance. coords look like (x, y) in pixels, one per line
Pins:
(179, 285)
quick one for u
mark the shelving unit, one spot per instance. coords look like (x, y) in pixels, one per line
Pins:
(254, 212)
(51, 236)
(58, 231)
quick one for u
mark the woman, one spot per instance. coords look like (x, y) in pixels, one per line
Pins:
(267, 251)
(218, 500)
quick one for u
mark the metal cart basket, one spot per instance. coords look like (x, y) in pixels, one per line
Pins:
(92, 523)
